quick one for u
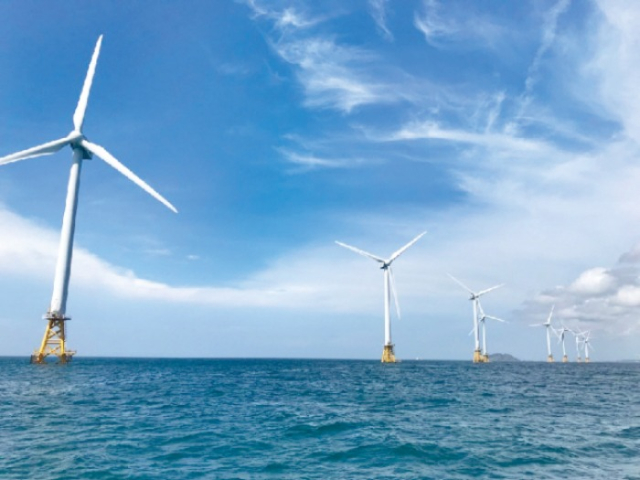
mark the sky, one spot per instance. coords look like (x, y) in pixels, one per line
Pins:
(509, 131)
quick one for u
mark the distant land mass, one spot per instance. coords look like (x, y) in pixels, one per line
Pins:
(502, 357)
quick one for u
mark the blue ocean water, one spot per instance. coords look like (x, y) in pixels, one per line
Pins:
(318, 419)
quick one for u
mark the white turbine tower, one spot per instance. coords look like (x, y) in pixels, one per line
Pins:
(475, 298)
(548, 326)
(53, 342)
(481, 320)
(388, 355)
(577, 335)
(586, 343)
(561, 333)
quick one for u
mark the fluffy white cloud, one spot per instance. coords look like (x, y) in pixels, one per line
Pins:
(595, 281)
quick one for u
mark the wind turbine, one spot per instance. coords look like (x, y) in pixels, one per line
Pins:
(475, 298)
(577, 336)
(388, 355)
(560, 333)
(53, 342)
(586, 343)
(548, 326)
(481, 320)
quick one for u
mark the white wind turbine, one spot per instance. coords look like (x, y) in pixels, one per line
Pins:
(586, 343)
(481, 321)
(561, 333)
(577, 335)
(388, 355)
(53, 342)
(475, 298)
(548, 326)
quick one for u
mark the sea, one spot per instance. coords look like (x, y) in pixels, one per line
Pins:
(100, 418)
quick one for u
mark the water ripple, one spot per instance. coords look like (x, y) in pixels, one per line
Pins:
(303, 419)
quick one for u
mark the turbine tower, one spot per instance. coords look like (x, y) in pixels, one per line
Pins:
(548, 326)
(481, 321)
(586, 343)
(388, 354)
(560, 333)
(478, 357)
(54, 340)
(577, 336)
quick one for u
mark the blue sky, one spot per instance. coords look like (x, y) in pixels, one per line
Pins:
(507, 130)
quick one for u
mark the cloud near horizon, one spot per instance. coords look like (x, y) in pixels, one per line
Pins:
(29, 250)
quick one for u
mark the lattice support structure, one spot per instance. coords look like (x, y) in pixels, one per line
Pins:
(388, 356)
(54, 341)
(550, 359)
(478, 357)
(565, 359)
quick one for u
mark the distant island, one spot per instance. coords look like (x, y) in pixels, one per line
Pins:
(502, 357)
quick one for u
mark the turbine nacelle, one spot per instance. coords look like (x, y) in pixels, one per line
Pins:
(75, 142)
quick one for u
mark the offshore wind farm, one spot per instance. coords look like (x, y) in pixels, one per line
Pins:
(321, 144)
(239, 339)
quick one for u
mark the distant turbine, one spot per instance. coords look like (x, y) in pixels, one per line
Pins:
(475, 298)
(548, 326)
(388, 355)
(481, 321)
(586, 343)
(53, 342)
(577, 335)
(560, 334)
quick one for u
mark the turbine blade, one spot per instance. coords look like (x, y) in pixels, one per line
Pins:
(471, 332)
(550, 314)
(397, 253)
(361, 252)
(481, 310)
(489, 289)
(78, 116)
(394, 292)
(44, 149)
(461, 284)
(495, 318)
(111, 160)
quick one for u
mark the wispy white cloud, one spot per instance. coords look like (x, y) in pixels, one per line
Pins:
(430, 130)
(464, 28)
(310, 162)
(615, 65)
(290, 18)
(549, 33)
(378, 10)
(332, 74)
(283, 16)
(432, 25)
(335, 76)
